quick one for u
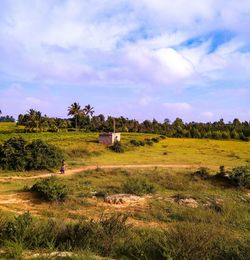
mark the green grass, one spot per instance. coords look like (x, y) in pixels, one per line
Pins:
(83, 149)
(229, 221)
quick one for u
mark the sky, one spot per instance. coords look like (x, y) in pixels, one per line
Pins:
(139, 59)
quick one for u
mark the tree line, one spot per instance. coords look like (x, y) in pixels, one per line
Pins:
(84, 119)
(6, 118)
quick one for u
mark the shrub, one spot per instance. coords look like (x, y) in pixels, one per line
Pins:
(17, 154)
(18, 231)
(202, 173)
(13, 250)
(148, 142)
(243, 137)
(155, 139)
(117, 147)
(138, 186)
(112, 229)
(239, 176)
(135, 142)
(141, 143)
(13, 154)
(41, 155)
(141, 244)
(51, 189)
(194, 241)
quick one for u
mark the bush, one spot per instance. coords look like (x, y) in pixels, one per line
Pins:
(138, 186)
(51, 189)
(202, 173)
(137, 143)
(17, 154)
(17, 235)
(155, 139)
(198, 241)
(148, 142)
(117, 147)
(243, 137)
(41, 155)
(134, 142)
(239, 176)
(13, 154)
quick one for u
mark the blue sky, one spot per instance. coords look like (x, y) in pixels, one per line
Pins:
(140, 59)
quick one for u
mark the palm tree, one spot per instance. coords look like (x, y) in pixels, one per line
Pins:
(88, 110)
(75, 111)
(34, 119)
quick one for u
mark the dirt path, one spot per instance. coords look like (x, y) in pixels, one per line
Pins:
(70, 172)
(20, 202)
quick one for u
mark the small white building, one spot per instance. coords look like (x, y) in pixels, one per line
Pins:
(109, 138)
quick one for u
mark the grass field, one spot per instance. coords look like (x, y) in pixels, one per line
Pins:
(220, 211)
(83, 149)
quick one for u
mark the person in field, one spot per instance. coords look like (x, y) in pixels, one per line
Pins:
(62, 169)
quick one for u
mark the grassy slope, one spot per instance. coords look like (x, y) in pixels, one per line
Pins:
(157, 211)
(83, 148)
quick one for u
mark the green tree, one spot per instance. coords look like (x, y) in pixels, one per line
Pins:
(88, 110)
(75, 111)
(34, 119)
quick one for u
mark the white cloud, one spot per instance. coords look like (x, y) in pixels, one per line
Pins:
(126, 43)
(178, 107)
(207, 115)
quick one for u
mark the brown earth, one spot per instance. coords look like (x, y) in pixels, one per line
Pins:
(93, 167)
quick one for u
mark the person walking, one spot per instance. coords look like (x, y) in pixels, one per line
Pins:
(62, 169)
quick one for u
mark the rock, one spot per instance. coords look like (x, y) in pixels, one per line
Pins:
(218, 201)
(190, 202)
(121, 198)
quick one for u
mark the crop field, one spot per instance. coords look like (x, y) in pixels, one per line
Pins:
(169, 196)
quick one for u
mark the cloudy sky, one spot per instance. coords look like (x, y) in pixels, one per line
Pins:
(140, 59)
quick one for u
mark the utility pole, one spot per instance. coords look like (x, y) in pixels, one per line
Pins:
(114, 125)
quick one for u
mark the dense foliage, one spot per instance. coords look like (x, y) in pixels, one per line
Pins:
(7, 119)
(17, 154)
(83, 119)
(51, 189)
(117, 147)
(239, 176)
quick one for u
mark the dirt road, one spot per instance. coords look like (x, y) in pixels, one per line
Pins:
(94, 167)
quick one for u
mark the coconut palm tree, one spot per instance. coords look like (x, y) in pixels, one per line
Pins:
(88, 110)
(75, 111)
(34, 119)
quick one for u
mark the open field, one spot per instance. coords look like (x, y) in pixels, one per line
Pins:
(178, 200)
(202, 210)
(83, 149)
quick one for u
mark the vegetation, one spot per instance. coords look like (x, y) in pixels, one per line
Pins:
(51, 189)
(117, 147)
(17, 154)
(83, 119)
(159, 227)
(7, 119)
(239, 176)
(138, 186)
